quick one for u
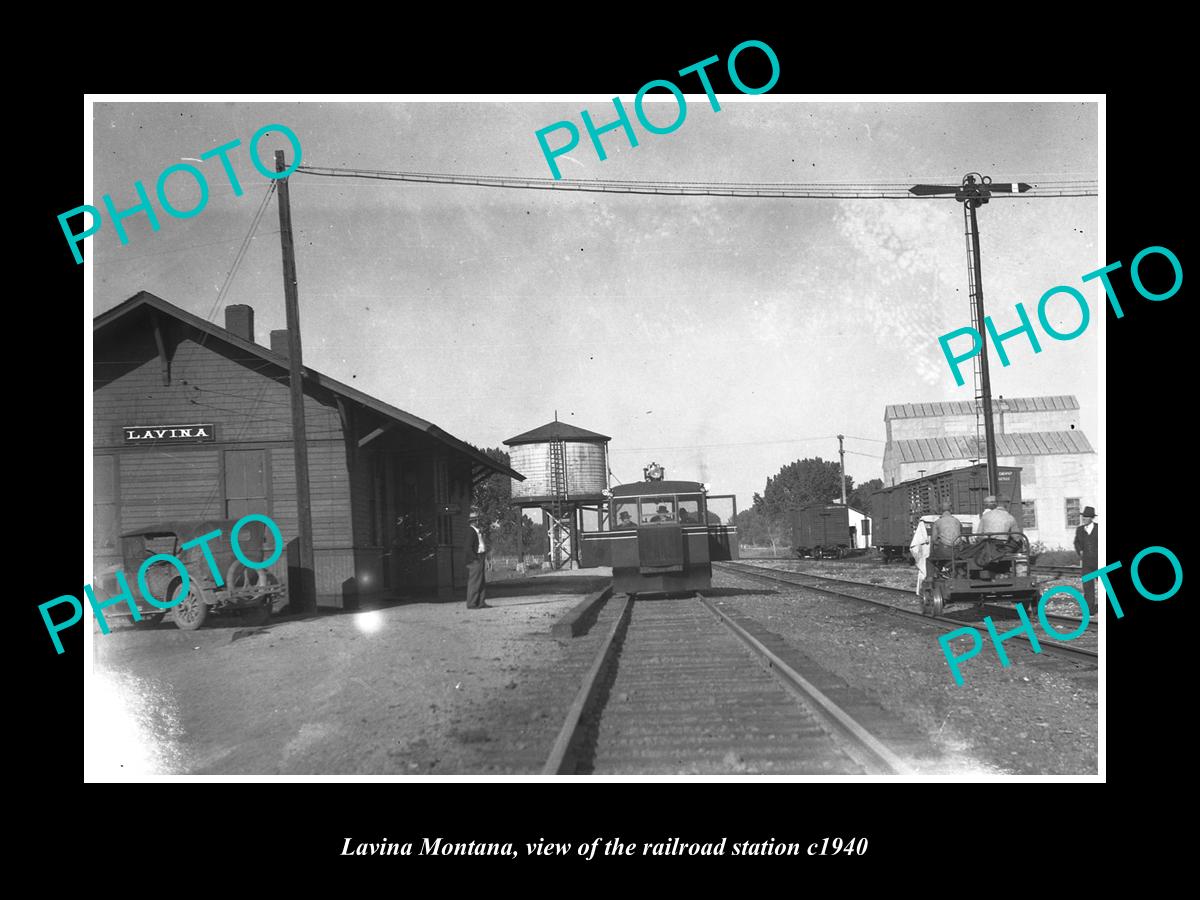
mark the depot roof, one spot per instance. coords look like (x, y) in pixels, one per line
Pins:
(144, 300)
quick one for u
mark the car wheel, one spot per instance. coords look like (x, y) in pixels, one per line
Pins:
(926, 603)
(191, 611)
(938, 599)
(1031, 604)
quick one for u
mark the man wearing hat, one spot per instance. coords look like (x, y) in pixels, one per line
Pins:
(996, 519)
(476, 553)
(946, 531)
(1087, 545)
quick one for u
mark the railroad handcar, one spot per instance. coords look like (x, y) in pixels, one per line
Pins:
(979, 567)
(826, 530)
(661, 537)
(896, 510)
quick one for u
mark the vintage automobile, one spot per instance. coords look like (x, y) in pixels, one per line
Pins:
(243, 589)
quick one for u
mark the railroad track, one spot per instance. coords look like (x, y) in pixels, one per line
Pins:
(803, 579)
(1006, 612)
(677, 686)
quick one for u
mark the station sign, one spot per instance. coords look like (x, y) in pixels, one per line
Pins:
(169, 434)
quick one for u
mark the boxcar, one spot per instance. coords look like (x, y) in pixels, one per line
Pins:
(822, 530)
(661, 537)
(896, 510)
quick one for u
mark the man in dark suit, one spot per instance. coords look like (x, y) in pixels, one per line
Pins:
(1087, 545)
(476, 556)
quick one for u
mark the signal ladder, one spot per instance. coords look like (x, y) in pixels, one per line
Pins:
(972, 293)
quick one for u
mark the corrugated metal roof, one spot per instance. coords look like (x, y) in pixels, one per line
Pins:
(1033, 443)
(311, 376)
(556, 431)
(967, 407)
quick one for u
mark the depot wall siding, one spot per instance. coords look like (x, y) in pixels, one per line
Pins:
(357, 494)
(209, 383)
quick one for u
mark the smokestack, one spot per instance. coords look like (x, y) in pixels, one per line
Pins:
(279, 342)
(239, 319)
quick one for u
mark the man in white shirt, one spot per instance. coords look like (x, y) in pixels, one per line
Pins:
(476, 555)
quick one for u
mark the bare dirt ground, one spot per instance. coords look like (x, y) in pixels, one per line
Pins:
(403, 689)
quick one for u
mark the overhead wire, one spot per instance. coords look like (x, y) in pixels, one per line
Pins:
(831, 190)
(241, 253)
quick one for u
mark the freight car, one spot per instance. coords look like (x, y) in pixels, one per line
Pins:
(661, 537)
(828, 530)
(896, 510)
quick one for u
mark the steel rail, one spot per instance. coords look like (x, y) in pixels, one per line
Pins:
(1053, 617)
(879, 754)
(1053, 647)
(560, 760)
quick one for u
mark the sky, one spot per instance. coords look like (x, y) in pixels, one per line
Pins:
(721, 337)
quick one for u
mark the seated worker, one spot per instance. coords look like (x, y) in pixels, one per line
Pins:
(625, 521)
(996, 527)
(996, 519)
(662, 515)
(685, 516)
(946, 531)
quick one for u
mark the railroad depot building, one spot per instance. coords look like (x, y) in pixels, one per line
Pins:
(193, 421)
(1059, 467)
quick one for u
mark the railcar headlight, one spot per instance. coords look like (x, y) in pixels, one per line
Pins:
(1021, 567)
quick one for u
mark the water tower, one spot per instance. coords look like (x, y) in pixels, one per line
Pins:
(566, 472)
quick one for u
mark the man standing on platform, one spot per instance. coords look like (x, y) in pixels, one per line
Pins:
(476, 555)
(1087, 545)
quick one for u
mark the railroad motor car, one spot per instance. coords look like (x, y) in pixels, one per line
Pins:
(661, 537)
(979, 567)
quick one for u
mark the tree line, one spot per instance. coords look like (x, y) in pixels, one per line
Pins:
(814, 480)
(492, 497)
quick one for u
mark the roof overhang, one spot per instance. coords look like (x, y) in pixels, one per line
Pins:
(146, 300)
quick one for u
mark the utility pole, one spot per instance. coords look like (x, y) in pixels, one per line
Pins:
(974, 191)
(302, 580)
(842, 454)
(971, 202)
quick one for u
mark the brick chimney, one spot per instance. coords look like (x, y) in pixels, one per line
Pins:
(239, 318)
(279, 343)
